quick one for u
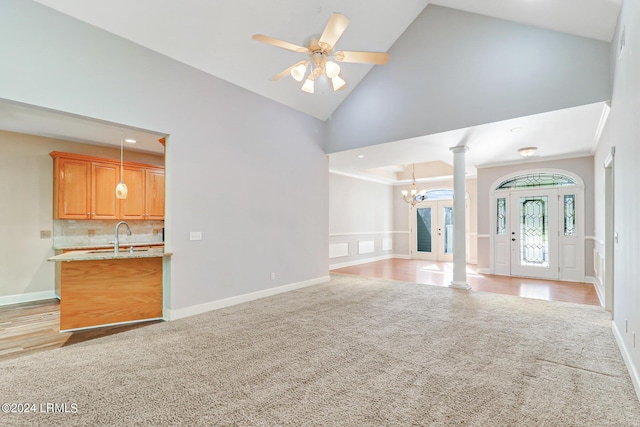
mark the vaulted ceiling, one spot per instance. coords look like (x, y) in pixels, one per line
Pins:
(215, 37)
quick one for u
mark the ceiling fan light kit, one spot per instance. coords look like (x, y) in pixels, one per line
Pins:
(320, 53)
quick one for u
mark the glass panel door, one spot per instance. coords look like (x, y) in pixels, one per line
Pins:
(534, 233)
(423, 229)
(432, 225)
(447, 227)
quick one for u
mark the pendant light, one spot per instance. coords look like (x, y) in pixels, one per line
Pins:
(121, 188)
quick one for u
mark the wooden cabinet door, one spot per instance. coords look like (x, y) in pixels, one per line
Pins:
(134, 206)
(155, 194)
(104, 178)
(73, 189)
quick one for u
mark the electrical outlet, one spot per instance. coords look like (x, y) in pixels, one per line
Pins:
(195, 235)
(273, 276)
(45, 234)
(91, 233)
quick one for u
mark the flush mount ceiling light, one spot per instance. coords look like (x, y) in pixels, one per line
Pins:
(528, 151)
(321, 56)
(414, 195)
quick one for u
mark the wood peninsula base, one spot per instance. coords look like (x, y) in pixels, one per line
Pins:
(108, 291)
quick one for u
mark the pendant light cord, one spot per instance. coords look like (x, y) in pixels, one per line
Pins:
(121, 149)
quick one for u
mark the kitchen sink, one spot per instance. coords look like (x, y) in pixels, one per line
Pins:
(135, 249)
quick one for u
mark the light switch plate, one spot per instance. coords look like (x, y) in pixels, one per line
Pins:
(195, 235)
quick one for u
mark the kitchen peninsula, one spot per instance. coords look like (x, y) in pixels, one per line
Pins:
(99, 288)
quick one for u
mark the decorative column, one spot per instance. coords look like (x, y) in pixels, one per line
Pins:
(459, 224)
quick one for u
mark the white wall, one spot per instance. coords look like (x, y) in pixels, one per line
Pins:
(249, 173)
(623, 132)
(360, 212)
(26, 185)
(453, 69)
(602, 151)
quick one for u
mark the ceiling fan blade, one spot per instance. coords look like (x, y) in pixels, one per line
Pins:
(279, 43)
(283, 73)
(364, 57)
(334, 29)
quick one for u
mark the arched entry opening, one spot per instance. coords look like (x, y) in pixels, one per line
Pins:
(538, 225)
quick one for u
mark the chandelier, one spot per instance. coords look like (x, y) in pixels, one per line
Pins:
(414, 196)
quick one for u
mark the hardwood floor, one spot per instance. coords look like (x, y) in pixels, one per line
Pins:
(35, 326)
(440, 274)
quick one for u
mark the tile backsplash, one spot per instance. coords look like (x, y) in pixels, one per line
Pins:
(70, 233)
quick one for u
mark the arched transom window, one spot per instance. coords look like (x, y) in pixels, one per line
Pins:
(535, 180)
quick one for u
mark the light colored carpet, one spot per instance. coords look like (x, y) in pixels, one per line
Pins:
(351, 352)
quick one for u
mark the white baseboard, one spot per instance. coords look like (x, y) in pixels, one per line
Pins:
(367, 260)
(112, 324)
(483, 270)
(597, 286)
(31, 296)
(179, 313)
(633, 372)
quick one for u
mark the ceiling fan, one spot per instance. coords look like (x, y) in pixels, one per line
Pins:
(320, 52)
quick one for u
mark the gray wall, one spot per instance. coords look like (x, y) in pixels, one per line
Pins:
(623, 132)
(249, 173)
(493, 69)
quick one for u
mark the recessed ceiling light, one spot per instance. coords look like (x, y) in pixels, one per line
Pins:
(360, 156)
(516, 129)
(130, 141)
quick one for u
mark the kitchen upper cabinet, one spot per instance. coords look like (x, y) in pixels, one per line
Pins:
(84, 188)
(104, 178)
(155, 194)
(146, 194)
(72, 188)
(134, 207)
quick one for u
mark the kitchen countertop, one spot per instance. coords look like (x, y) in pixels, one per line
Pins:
(107, 254)
(107, 246)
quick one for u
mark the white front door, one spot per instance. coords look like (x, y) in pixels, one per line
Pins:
(534, 233)
(432, 230)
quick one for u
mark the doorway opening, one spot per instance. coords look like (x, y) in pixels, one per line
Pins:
(609, 230)
(432, 227)
(538, 226)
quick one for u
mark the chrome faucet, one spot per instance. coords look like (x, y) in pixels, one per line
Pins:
(116, 243)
